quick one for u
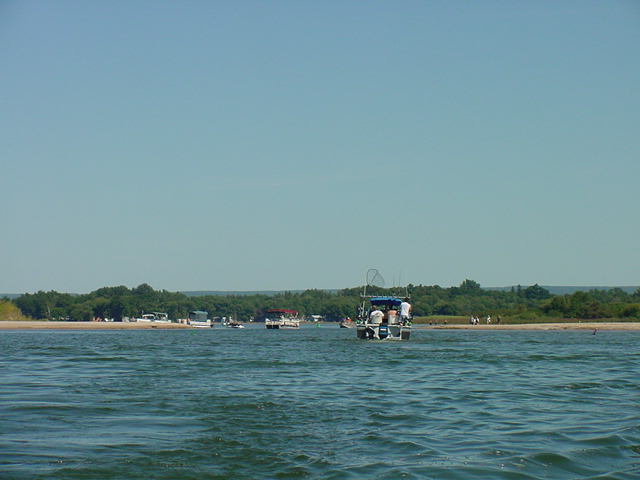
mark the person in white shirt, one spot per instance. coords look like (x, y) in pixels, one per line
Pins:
(376, 316)
(405, 310)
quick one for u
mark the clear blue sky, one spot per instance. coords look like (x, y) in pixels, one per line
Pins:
(255, 145)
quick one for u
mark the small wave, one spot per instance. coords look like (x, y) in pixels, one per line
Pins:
(60, 409)
(578, 463)
(583, 386)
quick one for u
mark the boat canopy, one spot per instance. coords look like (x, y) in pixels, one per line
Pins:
(395, 301)
(280, 310)
(198, 315)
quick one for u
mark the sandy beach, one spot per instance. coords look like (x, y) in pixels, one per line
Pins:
(45, 325)
(543, 326)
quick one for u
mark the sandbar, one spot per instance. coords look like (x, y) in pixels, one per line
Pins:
(45, 325)
(543, 326)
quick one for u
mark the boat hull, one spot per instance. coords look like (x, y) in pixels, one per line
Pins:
(282, 324)
(374, 331)
(195, 324)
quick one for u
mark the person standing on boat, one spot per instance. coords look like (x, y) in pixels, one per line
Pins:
(405, 311)
(392, 315)
(376, 315)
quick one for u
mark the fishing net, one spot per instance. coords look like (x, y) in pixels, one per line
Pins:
(374, 278)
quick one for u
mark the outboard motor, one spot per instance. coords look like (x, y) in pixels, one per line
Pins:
(383, 331)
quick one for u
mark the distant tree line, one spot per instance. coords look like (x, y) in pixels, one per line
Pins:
(466, 299)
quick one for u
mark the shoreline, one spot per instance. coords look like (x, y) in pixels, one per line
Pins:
(46, 325)
(622, 326)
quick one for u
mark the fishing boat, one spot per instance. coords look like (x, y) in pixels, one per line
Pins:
(389, 327)
(278, 318)
(378, 316)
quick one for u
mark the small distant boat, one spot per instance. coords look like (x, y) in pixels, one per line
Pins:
(347, 323)
(281, 319)
(155, 317)
(233, 324)
(198, 319)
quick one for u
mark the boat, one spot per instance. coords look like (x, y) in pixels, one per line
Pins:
(386, 324)
(347, 323)
(277, 318)
(230, 323)
(155, 317)
(391, 327)
(198, 319)
(234, 325)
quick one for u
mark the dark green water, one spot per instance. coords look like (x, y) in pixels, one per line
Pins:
(317, 403)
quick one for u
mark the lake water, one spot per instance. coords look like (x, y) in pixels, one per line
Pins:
(317, 403)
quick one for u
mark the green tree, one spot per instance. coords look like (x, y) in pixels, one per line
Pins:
(470, 286)
(536, 292)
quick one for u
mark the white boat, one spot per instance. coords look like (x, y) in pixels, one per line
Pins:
(198, 319)
(155, 317)
(277, 319)
(230, 323)
(387, 325)
(347, 323)
(234, 325)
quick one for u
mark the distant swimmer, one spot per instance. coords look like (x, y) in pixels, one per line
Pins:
(595, 330)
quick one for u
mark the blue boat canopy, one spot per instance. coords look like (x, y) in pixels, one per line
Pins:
(386, 301)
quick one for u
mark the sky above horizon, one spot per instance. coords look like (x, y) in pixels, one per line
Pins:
(288, 145)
